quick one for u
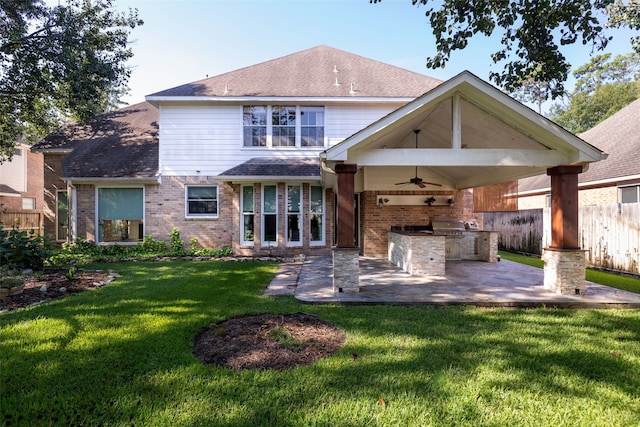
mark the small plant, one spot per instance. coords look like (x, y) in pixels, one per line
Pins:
(193, 243)
(176, 245)
(71, 273)
(10, 282)
(281, 335)
(152, 246)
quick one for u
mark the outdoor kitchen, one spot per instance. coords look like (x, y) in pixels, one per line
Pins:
(425, 249)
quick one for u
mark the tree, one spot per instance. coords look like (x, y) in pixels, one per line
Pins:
(532, 90)
(58, 62)
(603, 87)
(532, 33)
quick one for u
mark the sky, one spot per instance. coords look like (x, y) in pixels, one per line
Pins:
(182, 41)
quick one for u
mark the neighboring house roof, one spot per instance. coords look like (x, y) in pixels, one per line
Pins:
(321, 71)
(618, 135)
(5, 190)
(119, 144)
(267, 167)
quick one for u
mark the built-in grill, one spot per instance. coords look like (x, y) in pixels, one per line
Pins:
(450, 227)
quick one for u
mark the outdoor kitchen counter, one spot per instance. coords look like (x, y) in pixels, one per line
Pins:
(426, 254)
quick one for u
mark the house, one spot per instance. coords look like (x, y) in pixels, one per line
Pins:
(21, 184)
(318, 151)
(21, 181)
(609, 182)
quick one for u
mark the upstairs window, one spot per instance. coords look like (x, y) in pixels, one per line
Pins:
(283, 126)
(254, 121)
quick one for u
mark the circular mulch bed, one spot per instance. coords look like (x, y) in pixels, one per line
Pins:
(268, 341)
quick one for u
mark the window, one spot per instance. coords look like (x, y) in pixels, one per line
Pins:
(17, 152)
(120, 214)
(28, 203)
(269, 214)
(312, 126)
(202, 201)
(630, 194)
(283, 121)
(283, 126)
(316, 217)
(248, 215)
(294, 214)
(62, 213)
(254, 120)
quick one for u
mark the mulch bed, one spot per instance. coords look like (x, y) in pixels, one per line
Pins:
(58, 285)
(249, 342)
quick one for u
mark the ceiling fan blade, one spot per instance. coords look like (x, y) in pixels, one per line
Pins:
(433, 183)
(421, 185)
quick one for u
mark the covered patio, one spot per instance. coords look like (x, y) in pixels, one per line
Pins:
(447, 146)
(502, 284)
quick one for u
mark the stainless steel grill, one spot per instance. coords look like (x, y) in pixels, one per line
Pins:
(447, 227)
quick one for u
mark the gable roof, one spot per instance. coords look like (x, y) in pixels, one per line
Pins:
(321, 71)
(472, 135)
(618, 135)
(118, 144)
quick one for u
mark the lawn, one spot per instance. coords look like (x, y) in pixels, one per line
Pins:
(618, 281)
(121, 355)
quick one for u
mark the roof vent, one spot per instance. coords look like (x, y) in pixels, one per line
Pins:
(335, 69)
(337, 83)
(226, 89)
(353, 89)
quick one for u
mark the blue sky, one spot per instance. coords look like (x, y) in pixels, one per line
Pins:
(186, 40)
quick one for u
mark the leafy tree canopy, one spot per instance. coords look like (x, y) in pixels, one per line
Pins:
(533, 33)
(59, 62)
(603, 87)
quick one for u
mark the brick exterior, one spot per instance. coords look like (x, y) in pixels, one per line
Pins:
(52, 183)
(376, 222)
(589, 197)
(34, 181)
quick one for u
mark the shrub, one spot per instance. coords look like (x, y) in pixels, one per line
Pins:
(151, 245)
(176, 245)
(19, 249)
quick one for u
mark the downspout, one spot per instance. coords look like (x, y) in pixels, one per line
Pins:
(72, 209)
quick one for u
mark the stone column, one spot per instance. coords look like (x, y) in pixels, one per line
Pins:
(564, 261)
(346, 262)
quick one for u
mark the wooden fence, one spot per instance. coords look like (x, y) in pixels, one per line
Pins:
(24, 221)
(609, 233)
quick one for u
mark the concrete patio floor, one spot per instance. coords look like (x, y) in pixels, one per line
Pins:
(502, 284)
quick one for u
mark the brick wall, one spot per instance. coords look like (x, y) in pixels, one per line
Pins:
(52, 179)
(376, 222)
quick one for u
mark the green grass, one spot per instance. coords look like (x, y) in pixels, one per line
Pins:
(618, 281)
(121, 355)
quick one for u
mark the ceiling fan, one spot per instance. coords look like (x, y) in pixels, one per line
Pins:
(417, 180)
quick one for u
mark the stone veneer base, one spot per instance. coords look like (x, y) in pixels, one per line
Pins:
(346, 270)
(564, 271)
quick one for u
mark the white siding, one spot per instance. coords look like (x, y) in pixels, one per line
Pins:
(14, 173)
(207, 139)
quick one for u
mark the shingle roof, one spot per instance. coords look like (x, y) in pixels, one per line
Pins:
(619, 136)
(276, 167)
(312, 73)
(119, 144)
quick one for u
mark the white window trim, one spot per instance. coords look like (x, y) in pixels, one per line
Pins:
(323, 231)
(97, 214)
(269, 144)
(201, 216)
(300, 215)
(264, 243)
(242, 214)
(58, 237)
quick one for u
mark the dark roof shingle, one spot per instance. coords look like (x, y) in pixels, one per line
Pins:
(276, 167)
(321, 71)
(619, 136)
(119, 144)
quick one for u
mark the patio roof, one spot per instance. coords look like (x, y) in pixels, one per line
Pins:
(471, 134)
